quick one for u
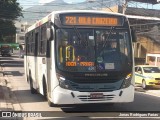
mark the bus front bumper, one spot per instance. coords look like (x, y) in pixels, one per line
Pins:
(64, 96)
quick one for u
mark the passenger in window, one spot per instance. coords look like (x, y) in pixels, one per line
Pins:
(108, 47)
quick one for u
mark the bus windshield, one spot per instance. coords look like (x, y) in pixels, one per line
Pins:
(93, 50)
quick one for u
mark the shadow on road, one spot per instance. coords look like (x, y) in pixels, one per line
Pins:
(92, 108)
(6, 58)
(33, 97)
(140, 89)
(10, 62)
(13, 73)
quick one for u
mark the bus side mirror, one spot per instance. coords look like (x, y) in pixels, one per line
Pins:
(50, 33)
(133, 34)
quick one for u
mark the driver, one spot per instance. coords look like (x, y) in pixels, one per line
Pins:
(111, 57)
(109, 47)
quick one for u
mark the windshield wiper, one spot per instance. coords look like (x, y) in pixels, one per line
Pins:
(105, 41)
(77, 33)
(62, 31)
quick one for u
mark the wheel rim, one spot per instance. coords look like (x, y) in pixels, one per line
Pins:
(144, 84)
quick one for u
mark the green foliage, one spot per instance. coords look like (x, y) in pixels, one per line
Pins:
(9, 12)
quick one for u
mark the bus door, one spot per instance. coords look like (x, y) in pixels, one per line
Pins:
(49, 62)
(49, 66)
(36, 58)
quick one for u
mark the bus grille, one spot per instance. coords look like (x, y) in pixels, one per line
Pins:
(86, 98)
(89, 88)
(157, 78)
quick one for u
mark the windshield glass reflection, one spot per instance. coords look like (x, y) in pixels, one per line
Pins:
(151, 69)
(92, 50)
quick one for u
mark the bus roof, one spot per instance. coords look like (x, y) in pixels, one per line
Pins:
(51, 16)
(86, 11)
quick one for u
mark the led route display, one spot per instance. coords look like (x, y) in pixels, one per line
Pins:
(91, 20)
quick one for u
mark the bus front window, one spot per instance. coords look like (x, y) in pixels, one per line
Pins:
(93, 50)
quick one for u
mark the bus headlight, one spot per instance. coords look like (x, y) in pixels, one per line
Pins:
(63, 83)
(127, 81)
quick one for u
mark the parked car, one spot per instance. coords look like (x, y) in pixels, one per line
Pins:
(147, 76)
(6, 50)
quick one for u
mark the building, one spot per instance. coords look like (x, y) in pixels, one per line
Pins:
(146, 23)
(20, 32)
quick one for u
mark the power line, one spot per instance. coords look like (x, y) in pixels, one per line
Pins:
(142, 12)
(152, 23)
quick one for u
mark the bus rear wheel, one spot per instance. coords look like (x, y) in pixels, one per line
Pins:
(33, 91)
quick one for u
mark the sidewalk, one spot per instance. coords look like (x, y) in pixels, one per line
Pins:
(8, 100)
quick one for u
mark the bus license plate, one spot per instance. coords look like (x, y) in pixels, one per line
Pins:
(96, 95)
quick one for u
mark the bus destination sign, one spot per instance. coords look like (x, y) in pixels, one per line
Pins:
(91, 20)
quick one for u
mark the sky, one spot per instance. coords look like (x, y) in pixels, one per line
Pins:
(29, 3)
(67, 1)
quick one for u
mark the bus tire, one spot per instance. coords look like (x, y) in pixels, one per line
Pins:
(33, 91)
(45, 92)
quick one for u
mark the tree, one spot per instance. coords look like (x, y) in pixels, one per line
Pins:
(10, 10)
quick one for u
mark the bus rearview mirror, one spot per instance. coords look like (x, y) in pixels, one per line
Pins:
(50, 34)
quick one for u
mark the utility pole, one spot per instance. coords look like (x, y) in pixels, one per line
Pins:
(124, 6)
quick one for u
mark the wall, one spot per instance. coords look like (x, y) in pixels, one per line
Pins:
(142, 46)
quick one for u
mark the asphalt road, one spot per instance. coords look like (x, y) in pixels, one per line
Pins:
(146, 103)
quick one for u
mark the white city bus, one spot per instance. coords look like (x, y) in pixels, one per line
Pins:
(70, 58)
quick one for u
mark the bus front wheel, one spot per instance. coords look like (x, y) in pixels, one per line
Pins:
(45, 90)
